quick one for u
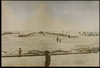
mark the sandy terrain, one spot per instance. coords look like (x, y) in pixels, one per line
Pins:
(11, 44)
(57, 60)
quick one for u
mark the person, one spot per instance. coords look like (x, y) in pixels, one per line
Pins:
(47, 58)
(57, 39)
(60, 40)
(68, 36)
(20, 52)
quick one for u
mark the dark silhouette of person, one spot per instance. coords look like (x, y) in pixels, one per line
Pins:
(20, 52)
(47, 58)
(60, 40)
(57, 39)
(68, 36)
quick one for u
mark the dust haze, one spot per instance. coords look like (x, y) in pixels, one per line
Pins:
(33, 16)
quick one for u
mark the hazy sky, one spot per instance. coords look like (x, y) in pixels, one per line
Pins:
(50, 15)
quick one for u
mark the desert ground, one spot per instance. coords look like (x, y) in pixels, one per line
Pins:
(11, 43)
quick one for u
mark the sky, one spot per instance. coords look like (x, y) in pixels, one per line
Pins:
(50, 15)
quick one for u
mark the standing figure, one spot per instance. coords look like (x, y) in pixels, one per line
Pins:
(20, 52)
(47, 58)
(68, 36)
(57, 39)
(60, 40)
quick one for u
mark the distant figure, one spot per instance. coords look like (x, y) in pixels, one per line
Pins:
(47, 58)
(60, 40)
(68, 36)
(20, 52)
(57, 39)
